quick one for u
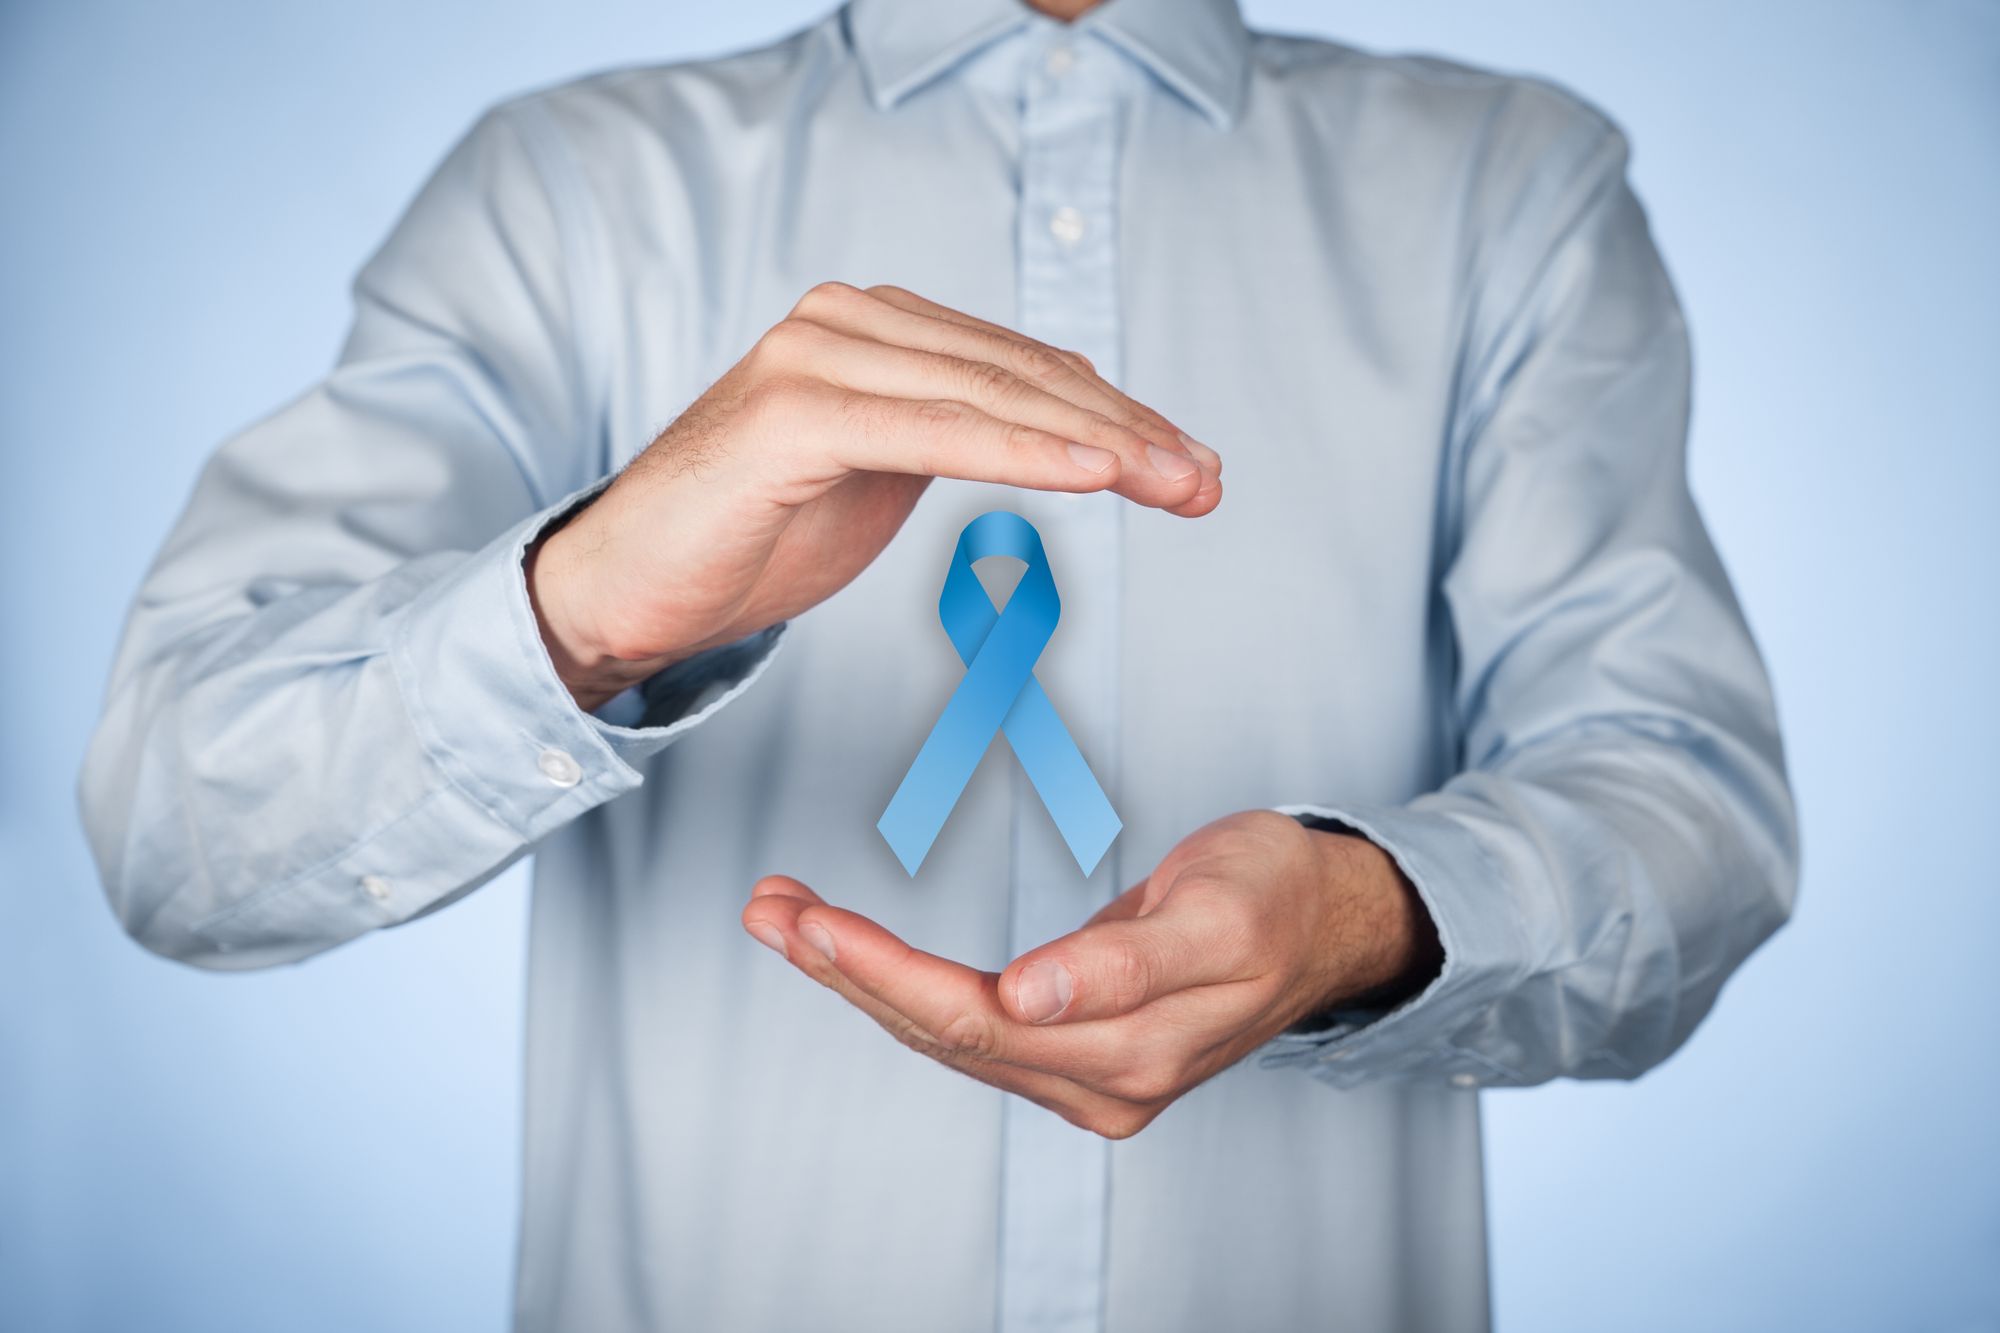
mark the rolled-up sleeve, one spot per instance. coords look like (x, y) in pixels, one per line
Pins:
(331, 709)
(1621, 835)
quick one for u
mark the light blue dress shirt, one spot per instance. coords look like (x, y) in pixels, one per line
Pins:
(1456, 597)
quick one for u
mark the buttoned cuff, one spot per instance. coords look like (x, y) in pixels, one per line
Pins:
(1485, 954)
(492, 712)
(518, 757)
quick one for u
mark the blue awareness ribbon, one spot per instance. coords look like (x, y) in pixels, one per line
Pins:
(999, 693)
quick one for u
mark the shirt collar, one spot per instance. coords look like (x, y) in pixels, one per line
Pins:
(1198, 48)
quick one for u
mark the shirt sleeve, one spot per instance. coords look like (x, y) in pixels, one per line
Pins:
(1621, 835)
(331, 709)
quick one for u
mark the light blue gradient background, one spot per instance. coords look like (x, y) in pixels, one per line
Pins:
(185, 190)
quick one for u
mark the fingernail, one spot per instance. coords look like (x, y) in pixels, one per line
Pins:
(815, 935)
(1172, 466)
(1201, 451)
(1090, 458)
(770, 938)
(1044, 991)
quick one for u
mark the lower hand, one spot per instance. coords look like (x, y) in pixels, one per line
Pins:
(782, 482)
(1248, 926)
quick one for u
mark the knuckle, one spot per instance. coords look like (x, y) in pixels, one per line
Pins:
(934, 424)
(990, 382)
(911, 1035)
(785, 340)
(1044, 365)
(770, 401)
(939, 414)
(1127, 971)
(1019, 437)
(1114, 435)
(941, 425)
(968, 1035)
(822, 296)
(1138, 424)
(858, 411)
(864, 416)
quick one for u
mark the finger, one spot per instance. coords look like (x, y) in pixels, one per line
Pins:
(830, 433)
(956, 1005)
(783, 886)
(1147, 473)
(772, 915)
(911, 303)
(1109, 1077)
(1110, 968)
(1170, 434)
(887, 313)
(938, 328)
(893, 314)
(837, 431)
(775, 901)
(776, 907)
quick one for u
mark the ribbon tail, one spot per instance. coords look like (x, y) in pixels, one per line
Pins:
(931, 788)
(1069, 790)
(951, 753)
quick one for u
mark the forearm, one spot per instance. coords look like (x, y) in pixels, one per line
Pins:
(1591, 894)
(1644, 863)
(269, 781)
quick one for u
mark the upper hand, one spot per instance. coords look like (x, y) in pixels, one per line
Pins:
(1248, 926)
(779, 485)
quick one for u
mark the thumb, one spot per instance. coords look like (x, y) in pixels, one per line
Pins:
(1110, 968)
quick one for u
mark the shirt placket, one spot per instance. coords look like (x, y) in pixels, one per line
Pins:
(1054, 1176)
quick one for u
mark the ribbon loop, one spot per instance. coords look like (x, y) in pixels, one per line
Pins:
(999, 693)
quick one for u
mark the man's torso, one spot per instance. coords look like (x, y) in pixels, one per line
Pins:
(712, 1143)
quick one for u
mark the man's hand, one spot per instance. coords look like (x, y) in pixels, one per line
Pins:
(779, 485)
(1246, 927)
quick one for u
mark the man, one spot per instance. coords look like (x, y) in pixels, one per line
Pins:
(1443, 755)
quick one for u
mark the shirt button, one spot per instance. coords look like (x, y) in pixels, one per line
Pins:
(1066, 225)
(1059, 61)
(1465, 1080)
(559, 768)
(375, 887)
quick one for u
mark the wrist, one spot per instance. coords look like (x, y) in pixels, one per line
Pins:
(1385, 946)
(583, 658)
